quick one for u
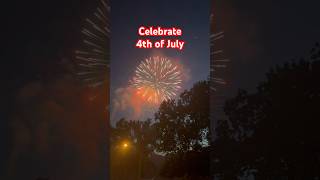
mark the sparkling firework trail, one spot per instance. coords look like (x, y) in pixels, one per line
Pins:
(157, 79)
(93, 56)
(218, 66)
(218, 61)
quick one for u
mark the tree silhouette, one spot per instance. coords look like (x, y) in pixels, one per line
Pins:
(179, 131)
(182, 132)
(274, 132)
(133, 161)
(182, 125)
(140, 133)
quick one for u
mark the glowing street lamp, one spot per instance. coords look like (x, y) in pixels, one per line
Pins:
(125, 145)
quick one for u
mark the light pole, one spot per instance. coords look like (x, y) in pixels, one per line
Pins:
(124, 148)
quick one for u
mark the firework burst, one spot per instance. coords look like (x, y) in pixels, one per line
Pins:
(157, 79)
(93, 56)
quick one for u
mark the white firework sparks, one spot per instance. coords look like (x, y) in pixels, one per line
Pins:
(93, 56)
(218, 66)
(157, 79)
(218, 61)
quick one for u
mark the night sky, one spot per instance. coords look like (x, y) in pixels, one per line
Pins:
(261, 34)
(127, 16)
(39, 37)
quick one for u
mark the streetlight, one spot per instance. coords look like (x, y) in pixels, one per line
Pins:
(124, 148)
(125, 145)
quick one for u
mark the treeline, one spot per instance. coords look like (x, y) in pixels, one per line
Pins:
(272, 133)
